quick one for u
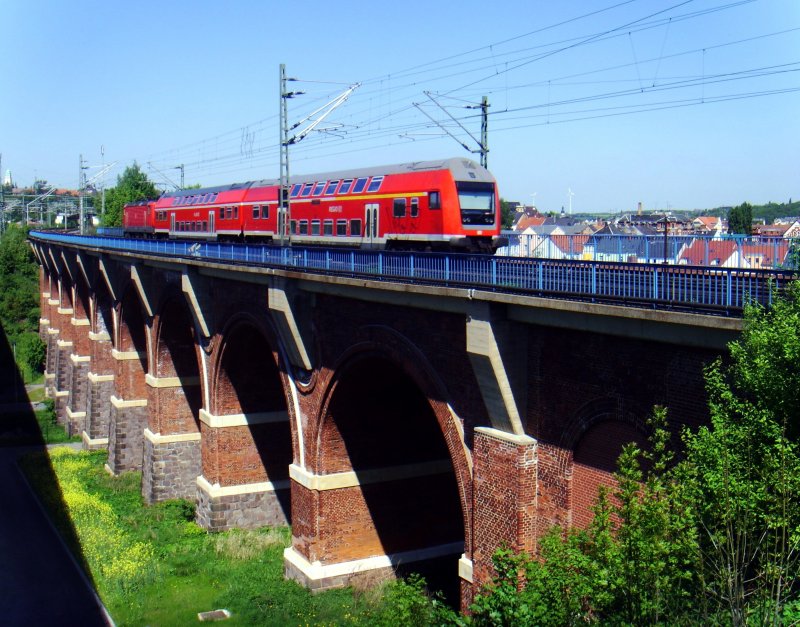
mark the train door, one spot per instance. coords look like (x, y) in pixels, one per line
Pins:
(371, 224)
(211, 223)
(172, 225)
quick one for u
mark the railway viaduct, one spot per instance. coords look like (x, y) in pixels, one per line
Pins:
(389, 424)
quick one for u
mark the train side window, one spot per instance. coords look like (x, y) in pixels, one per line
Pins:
(314, 227)
(327, 227)
(293, 227)
(295, 190)
(205, 225)
(236, 213)
(318, 188)
(434, 200)
(414, 207)
(360, 185)
(355, 228)
(222, 213)
(330, 188)
(306, 189)
(265, 212)
(341, 227)
(399, 207)
(375, 184)
(303, 227)
(256, 212)
(346, 185)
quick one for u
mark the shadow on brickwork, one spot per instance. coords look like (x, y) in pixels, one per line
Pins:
(386, 421)
(254, 377)
(38, 581)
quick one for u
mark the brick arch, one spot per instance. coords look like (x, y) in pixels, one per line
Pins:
(174, 353)
(596, 437)
(385, 406)
(248, 439)
(231, 358)
(130, 333)
(102, 306)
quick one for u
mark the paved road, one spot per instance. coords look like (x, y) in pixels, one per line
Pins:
(39, 583)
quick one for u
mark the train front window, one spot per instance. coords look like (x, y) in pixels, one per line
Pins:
(477, 203)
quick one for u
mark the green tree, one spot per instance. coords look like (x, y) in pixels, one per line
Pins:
(712, 539)
(740, 219)
(19, 299)
(506, 214)
(132, 185)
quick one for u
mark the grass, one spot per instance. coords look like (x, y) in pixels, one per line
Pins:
(154, 566)
(26, 427)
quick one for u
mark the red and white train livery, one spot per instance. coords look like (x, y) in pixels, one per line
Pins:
(425, 205)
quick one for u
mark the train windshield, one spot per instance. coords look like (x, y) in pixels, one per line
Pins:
(477, 203)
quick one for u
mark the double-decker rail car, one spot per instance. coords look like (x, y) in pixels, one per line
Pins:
(425, 205)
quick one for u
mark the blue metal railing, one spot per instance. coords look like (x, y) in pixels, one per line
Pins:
(660, 286)
(730, 251)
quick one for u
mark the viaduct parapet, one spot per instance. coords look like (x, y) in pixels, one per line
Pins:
(389, 424)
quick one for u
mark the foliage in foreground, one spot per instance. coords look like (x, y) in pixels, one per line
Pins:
(19, 301)
(711, 539)
(154, 565)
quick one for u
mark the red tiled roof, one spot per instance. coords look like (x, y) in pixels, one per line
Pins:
(719, 251)
(528, 221)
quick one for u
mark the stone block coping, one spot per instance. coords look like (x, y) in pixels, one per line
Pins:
(351, 479)
(126, 355)
(53, 301)
(64, 343)
(99, 378)
(75, 414)
(66, 311)
(465, 568)
(48, 375)
(170, 382)
(80, 322)
(99, 337)
(93, 441)
(216, 490)
(505, 436)
(53, 331)
(157, 438)
(62, 393)
(243, 420)
(77, 359)
(44, 321)
(120, 404)
(316, 571)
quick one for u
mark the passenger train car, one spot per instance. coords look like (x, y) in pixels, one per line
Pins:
(425, 205)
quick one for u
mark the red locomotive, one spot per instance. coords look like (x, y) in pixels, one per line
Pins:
(425, 205)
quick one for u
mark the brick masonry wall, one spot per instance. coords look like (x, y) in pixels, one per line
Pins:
(581, 380)
(504, 505)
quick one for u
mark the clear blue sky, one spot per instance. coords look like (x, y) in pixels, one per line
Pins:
(668, 102)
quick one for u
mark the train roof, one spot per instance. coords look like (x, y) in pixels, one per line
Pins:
(462, 169)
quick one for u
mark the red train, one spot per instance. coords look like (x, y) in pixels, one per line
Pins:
(425, 205)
